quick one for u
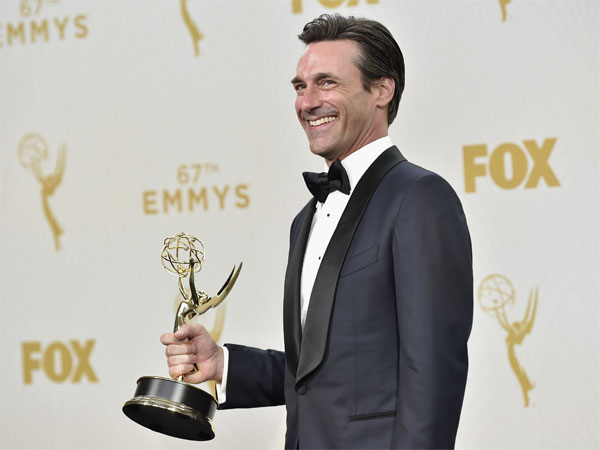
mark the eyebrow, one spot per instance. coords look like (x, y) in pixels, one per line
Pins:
(318, 76)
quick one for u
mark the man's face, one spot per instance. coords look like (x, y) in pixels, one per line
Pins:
(336, 112)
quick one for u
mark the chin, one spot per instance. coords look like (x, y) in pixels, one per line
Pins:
(319, 151)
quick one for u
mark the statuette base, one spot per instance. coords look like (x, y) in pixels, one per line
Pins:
(172, 407)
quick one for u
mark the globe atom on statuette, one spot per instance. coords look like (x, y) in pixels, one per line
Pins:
(170, 406)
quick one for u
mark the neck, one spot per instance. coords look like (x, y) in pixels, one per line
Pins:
(353, 149)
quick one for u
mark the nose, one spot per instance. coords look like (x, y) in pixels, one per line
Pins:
(310, 99)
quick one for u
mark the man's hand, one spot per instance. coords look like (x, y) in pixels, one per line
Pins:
(193, 344)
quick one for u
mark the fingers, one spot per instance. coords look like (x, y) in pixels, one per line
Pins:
(190, 375)
(180, 363)
(181, 359)
(181, 369)
(189, 331)
(194, 378)
(182, 353)
(186, 348)
(186, 332)
(169, 338)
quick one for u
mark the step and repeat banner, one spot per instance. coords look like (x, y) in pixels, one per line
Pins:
(125, 122)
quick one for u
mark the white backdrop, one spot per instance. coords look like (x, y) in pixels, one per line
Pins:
(502, 99)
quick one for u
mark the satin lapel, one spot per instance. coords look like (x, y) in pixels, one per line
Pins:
(316, 327)
(291, 304)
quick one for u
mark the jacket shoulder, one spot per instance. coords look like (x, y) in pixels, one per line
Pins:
(408, 176)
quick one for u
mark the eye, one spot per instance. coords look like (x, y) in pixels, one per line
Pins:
(299, 87)
(327, 82)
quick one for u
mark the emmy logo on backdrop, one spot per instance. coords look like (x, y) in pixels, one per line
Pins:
(503, 4)
(33, 150)
(496, 293)
(170, 406)
(191, 26)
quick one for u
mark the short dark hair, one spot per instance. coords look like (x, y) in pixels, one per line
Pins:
(380, 54)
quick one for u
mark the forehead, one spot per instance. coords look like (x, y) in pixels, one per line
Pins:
(328, 57)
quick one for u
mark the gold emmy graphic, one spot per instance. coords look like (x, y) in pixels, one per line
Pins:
(33, 151)
(503, 4)
(191, 26)
(496, 293)
(170, 406)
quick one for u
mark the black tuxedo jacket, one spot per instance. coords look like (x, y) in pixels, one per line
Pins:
(382, 360)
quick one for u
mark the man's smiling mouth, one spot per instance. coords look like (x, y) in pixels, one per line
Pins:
(321, 121)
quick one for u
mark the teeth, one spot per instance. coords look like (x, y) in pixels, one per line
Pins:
(322, 120)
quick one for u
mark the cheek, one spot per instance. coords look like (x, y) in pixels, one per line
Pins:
(359, 112)
(331, 100)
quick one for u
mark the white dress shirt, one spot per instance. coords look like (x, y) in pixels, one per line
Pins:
(324, 222)
(327, 216)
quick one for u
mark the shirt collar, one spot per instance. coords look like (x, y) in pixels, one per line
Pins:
(357, 163)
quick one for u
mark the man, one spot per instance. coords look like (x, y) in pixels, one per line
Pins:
(378, 288)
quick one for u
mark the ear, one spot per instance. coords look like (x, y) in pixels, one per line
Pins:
(385, 88)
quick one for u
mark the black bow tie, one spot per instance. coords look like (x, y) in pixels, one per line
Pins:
(321, 184)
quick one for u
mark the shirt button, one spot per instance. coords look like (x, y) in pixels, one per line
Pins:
(319, 258)
(328, 214)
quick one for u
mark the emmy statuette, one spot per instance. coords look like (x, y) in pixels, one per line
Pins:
(170, 406)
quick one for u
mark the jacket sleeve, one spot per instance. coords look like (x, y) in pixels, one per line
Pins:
(433, 278)
(255, 377)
